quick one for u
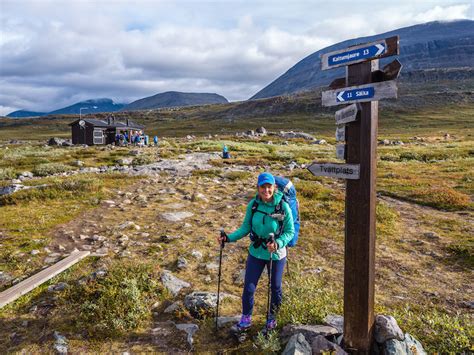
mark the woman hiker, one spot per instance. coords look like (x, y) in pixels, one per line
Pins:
(260, 220)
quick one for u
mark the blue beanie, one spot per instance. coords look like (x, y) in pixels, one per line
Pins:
(265, 178)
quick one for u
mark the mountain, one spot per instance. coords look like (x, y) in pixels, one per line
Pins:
(175, 99)
(88, 106)
(24, 113)
(427, 51)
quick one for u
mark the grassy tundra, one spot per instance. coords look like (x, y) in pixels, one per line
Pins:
(424, 249)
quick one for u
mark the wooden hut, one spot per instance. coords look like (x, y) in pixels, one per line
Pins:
(97, 132)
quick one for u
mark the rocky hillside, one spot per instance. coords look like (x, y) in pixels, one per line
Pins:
(175, 99)
(428, 50)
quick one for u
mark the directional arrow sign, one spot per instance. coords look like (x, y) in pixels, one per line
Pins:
(361, 53)
(341, 134)
(341, 151)
(343, 171)
(347, 114)
(361, 93)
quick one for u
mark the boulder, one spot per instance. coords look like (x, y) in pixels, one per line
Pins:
(413, 345)
(395, 347)
(176, 216)
(173, 307)
(61, 286)
(67, 143)
(297, 345)
(386, 328)
(309, 331)
(320, 345)
(196, 254)
(221, 321)
(172, 283)
(261, 130)
(55, 141)
(202, 303)
(336, 321)
(291, 134)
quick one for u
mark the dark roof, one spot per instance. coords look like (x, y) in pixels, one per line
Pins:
(116, 124)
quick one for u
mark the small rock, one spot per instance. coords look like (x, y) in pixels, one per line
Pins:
(60, 344)
(261, 130)
(98, 238)
(202, 303)
(102, 251)
(51, 259)
(190, 329)
(86, 247)
(196, 254)
(129, 225)
(172, 283)
(182, 263)
(297, 345)
(34, 252)
(320, 345)
(78, 163)
(309, 331)
(61, 286)
(5, 278)
(239, 277)
(168, 238)
(221, 321)
(173, 307)
(431, 235)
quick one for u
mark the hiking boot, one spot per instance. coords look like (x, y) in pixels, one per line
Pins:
(245, 322)
(271, 324)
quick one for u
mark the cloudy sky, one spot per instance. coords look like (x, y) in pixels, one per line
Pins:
(56, 53)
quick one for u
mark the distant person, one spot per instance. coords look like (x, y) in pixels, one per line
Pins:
(155, 140)
(225, 153)
(117, 139)
(125, 138)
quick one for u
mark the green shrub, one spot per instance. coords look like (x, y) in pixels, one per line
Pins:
(269, 343)
(442, 197)
(142, 160)
(7, 173)
(438, 332)
(386, 219)
(50, 169)
(118, 303)
(206, 172)
(58, 189)
(308, 300)
(238, 175)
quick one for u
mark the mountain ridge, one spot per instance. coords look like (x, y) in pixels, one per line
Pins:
(170, 99)
(422, 47)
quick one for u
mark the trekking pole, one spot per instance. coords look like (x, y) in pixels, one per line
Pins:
(219, 275)
(271, 240)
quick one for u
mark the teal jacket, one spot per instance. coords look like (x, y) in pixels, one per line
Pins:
(263, 225)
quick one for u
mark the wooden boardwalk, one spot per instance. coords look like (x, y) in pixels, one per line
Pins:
(34, 281)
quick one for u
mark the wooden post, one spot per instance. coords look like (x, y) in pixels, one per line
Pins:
(359, 253)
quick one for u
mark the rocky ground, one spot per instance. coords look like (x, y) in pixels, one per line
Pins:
(171, 217)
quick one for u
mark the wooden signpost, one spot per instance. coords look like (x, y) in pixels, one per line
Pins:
(365, 84)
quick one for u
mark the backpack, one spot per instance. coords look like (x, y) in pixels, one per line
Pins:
(289, 196)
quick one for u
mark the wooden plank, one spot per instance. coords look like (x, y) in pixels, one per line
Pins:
(360, 53)
(361, 93)
(340, 134)
(341, 151)
(359, 249)
(34, 281)
(347, 114)
(336, 170)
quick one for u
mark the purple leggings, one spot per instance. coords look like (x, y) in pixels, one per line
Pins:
(253, 272)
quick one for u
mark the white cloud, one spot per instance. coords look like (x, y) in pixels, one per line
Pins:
(53, 53)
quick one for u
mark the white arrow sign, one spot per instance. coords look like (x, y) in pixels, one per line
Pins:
(343, 171)
(339, 97)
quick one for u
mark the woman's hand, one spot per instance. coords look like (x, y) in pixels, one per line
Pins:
(272, 247)
(221, 238)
